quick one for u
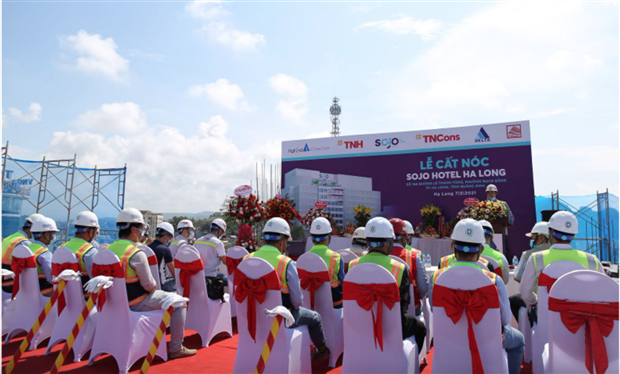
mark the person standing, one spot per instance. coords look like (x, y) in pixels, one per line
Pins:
(165, 263)
(321, 231)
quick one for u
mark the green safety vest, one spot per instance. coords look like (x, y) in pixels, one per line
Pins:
(410, 248)
(395, 267)
(79, 247)
(331, 259)
(8, 245)
(552, 255)
(493, 276)
(488, 251)
(125, 249)
(280, 263)
(38, 249)
(446, 261)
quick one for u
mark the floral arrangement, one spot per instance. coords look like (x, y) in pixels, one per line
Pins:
(281, 207)
(349, 229)
(430, 213)
(362, 215)
(430, 231)
(245, 210)
(489, 210)
(312, 214)
(464, 213)
(245, 238)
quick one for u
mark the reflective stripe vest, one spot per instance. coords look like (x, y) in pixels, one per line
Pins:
(493, 276)
(125, 249)
(280, 263)
(394, 267)
(38, 249)
(488, 251)
(80, 247)
(411, 260)
(449, 259)
(331, 259)
(552, 255)
(408, 247)
(8, 245)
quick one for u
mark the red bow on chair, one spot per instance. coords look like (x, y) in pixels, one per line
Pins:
(113, 270)
(232, 263)
(152, 260)
(599, 320)
(187, 270)
(255, 290)
(56, 270)
(312, 281)
(366, 295)
(546, 281)
(475, 302)
(498, 271)
(18, 264)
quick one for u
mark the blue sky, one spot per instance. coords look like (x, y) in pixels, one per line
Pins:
(194, 94)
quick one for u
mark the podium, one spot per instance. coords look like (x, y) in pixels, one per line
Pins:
(500, 227)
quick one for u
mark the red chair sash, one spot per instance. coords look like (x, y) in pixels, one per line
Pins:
(475, 303)
(152, 260)
(599, 321)
(56, 270)
(546, 281)
(498, 271)
(114, 270)
(18, 264)
(232, 263)
(187, 270)
(312, 281)
(366, 295)
(255, 290)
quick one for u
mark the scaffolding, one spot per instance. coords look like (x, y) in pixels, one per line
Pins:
(58, 189)
(598, 236)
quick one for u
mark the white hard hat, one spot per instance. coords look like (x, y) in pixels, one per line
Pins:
(320, 226)
(33, 217)
(167, 227)
(468, 230)
(185, 223)
(87, 219)
(359, 233)
(44, 224)
(219, 223)
(277, 225)
(565, 222)
(379, 228)
(491, 187)
(487, 225)
(409, 227)
(130, 215)
(540, 228)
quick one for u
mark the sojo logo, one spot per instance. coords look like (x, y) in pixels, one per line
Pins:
(388, 142)
(439, 138)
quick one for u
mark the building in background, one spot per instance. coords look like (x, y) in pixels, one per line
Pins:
(341, 192)
(152, 219)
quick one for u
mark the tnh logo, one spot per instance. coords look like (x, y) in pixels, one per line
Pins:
(513, 131)
(354, 144)
(483, 137)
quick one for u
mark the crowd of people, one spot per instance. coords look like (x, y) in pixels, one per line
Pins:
(374, 243)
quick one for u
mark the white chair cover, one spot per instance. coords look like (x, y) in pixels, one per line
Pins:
(360, 353)
(8, 310)
(526, 330)
(323, 304)
(153, 265)
(566, 351)
(29, 302)
(236, 253)
(428, 320)
(347, 256)
(291, 349)
(540, 336)
(205, 316)
(74, 304)
(492, 261)
(452, 353)
(121, 333)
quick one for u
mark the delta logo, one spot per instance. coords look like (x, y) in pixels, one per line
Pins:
(349, 144)
(513, 131)
(306, 148)
(482, 137)
(438, 138)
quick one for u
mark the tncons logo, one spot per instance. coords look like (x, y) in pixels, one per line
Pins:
(307, 149)
(438, 138)
(351, 144)
(482, 137)
(388, 142)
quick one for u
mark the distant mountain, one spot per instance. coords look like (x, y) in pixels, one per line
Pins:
(199, 215)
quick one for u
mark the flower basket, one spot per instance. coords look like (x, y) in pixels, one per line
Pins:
(245, 210)
(312, 214)
(430, 213)
(281, 207)
(362, 215)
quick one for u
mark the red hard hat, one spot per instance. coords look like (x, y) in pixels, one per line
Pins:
(399, 226)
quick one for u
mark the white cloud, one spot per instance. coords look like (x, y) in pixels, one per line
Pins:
(33, 114)
(96, 55)
(364, 7)
(137, 52)
(167, 170)
(427, 29)
(206, 9)
(294, 106)
(115, 117)
(222, 93)
(237, 40)
(590, 63)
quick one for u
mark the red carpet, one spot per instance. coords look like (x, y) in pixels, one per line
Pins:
(219, 357)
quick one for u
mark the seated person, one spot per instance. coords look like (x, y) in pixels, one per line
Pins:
(321, 231)
(86, 230)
